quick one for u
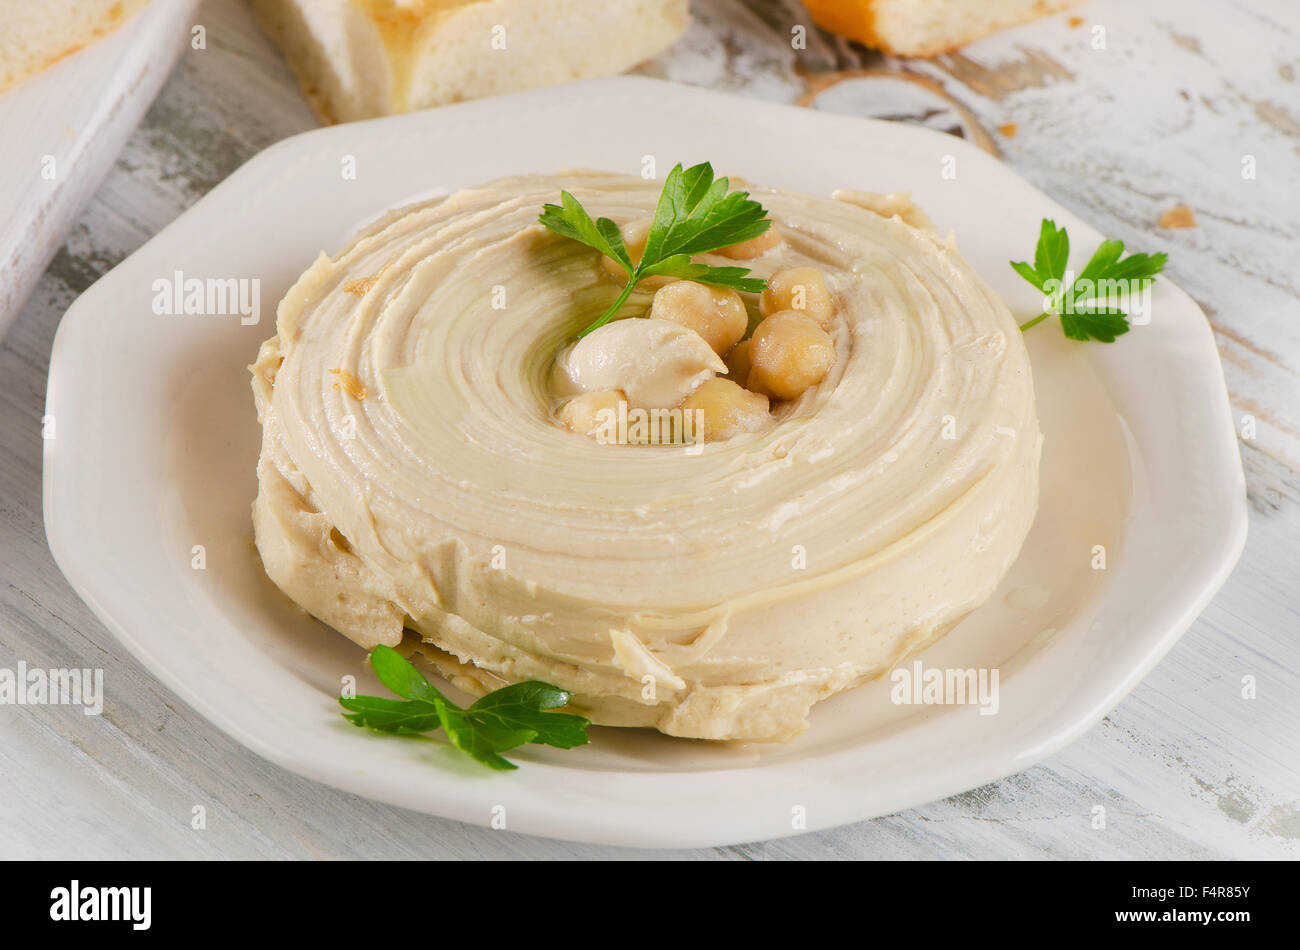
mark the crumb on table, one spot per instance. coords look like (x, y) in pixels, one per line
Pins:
(1179, 216)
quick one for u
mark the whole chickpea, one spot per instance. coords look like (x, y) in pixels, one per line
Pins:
(715, 313)
(727, 409)
(634, 236)
(582, 414)
(802, 289)
(737, 360)
(789, 352)
(754, 247)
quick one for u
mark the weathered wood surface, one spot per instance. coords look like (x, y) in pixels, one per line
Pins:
(1164, 114)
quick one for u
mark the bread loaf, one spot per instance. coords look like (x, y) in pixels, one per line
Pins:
(925, 27)
(35, 34)
(357, 59)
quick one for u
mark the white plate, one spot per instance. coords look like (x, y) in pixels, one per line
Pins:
(77, 115)
(155, 444)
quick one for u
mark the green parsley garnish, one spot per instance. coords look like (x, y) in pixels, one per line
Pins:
(1096, 320)
(502, 720)
(696, 214)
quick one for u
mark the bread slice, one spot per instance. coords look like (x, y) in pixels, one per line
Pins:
(357, 59)
(925, 27)
(35, 34)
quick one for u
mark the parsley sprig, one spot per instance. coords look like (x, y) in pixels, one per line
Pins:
(502, 720)
(696, 214)
(1096, 320)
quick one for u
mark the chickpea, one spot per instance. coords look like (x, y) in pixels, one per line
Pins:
(737, 360)
(634, 236)
(715, 313)
(754, 247)
(789, 352)
(727, 409)
(798, 288)
(583, 414)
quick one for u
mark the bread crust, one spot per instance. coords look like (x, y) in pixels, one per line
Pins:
(364, 58)
(81, 35)
(861, 20)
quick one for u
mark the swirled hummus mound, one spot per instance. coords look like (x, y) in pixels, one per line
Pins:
(414, 477)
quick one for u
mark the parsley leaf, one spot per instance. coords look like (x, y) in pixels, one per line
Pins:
(1049, 257)
(521, 705)
(696, 214)
(397, 716)
(502, 720)
(481, 745)
(1104, 325)
(1105, 257)
(1053, 251)
(571, 220)
(1106, 274)
(398, 674)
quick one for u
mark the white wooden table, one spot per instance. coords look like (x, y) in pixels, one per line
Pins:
(1166, 113)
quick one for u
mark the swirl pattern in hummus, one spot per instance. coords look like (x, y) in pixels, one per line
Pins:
(412, 476)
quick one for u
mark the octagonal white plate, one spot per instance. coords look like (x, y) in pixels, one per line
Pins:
(154, 444)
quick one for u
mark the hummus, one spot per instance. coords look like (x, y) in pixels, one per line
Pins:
(413, 477)
(656, 364)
